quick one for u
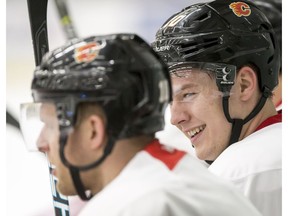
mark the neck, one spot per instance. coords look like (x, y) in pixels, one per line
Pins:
(267, 111)
(277, 93)
(124, 150)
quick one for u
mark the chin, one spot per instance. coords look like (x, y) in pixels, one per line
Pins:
(203, 155)
(65, 189)
(199, 155)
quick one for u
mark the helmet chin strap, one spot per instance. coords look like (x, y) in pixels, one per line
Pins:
(75, 170)
(75, 174)
(237, 124)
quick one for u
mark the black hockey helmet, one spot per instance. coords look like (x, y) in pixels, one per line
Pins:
(222, 31)
(273, 11)
(120, 72)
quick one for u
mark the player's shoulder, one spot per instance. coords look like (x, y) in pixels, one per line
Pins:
(185, 198)
(257, 153)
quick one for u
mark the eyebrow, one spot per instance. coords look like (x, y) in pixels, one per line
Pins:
(183, 87)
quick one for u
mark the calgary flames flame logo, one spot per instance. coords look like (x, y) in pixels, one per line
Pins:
(240, 9)
(87, 52)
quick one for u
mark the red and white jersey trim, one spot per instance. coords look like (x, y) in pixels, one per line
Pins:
(169, 156)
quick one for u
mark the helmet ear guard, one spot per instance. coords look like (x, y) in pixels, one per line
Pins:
(225, 78)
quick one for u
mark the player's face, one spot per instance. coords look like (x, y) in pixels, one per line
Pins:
(197, 111)
(48, 142)
(83, 147)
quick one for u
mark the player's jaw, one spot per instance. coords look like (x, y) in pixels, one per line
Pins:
(64, 184)
(208, 140)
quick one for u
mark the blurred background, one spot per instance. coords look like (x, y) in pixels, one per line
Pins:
(28, 188)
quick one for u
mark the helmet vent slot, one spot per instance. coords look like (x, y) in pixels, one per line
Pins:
(264, 27)
(270, 59)
(203, 17)
(210, 42)
(190, 47)
(229, 50)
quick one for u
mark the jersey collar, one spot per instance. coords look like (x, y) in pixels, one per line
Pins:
(271, 120)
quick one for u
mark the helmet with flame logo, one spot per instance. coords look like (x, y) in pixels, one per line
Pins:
(120, 72)
(223, 31)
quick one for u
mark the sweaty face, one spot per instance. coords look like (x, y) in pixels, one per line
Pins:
(197, 111)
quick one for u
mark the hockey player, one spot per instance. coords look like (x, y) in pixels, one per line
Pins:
(224, 60)
(99, 102)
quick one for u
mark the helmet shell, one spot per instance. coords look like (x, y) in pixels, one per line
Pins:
(273, 11)
(222, 31)
(119, 72)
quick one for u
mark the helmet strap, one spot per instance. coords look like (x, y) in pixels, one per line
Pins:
(75, 170)
(236, 130)
(237, 124)
(75, 174)
(265, 94)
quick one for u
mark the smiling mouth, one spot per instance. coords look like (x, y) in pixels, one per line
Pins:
(195, 131)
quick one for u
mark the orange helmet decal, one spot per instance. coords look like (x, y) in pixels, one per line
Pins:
(87, 52)
(240, 9)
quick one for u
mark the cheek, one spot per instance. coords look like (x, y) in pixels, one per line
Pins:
(214, 117)
(75, 147)
(71, 148)
(219, 131)
(207, 107)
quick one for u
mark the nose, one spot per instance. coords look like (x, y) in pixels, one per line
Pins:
(42, 143)
(43, 148)
(178, 114)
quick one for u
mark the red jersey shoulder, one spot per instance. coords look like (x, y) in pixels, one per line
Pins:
(168, 155)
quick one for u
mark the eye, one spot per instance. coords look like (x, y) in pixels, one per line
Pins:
(187, 95)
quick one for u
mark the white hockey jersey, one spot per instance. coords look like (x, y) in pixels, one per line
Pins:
(254, 166)
(161, 181)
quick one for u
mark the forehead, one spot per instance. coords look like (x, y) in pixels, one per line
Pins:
(47, 110)
(190, 78)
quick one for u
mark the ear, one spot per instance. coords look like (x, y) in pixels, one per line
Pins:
(96, 131)
(248, 82)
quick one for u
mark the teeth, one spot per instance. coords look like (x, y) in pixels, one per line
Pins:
(195, 131)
